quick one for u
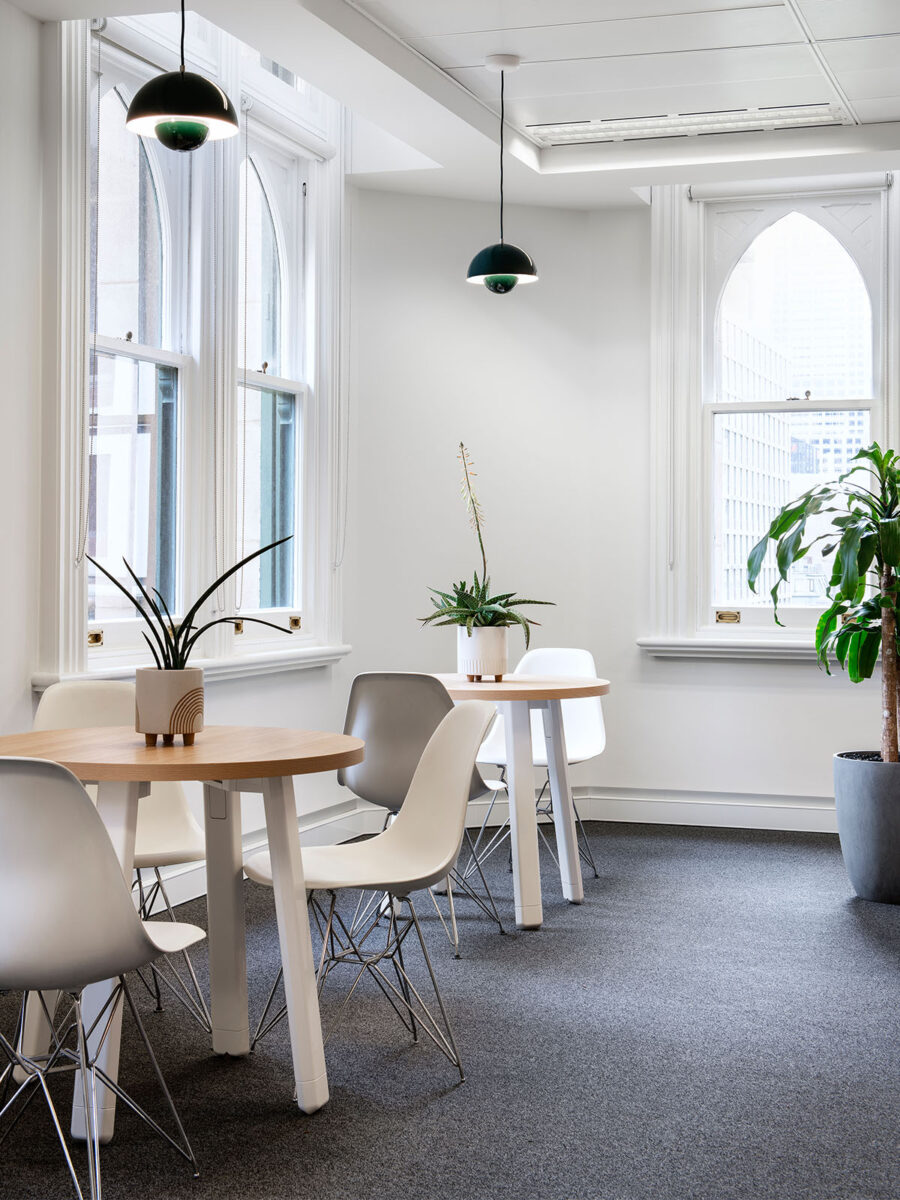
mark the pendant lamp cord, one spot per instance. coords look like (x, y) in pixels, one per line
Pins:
(182, 37)
(502, 114)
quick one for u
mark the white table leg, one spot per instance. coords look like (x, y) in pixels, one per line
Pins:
(117, 804)
(225, 911)
(563, 808)
(522, 818)
(296, 945)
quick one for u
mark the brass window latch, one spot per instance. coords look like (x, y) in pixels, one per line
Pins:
(728, 616)
(294, 622)
(95, 637)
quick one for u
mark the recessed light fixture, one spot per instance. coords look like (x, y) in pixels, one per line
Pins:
(739, 120)
(182, 109)
(501, 266)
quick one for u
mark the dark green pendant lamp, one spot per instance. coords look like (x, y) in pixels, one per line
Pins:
(181, 109)
(501, 266)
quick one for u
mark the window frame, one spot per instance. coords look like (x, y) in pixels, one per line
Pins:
(686, 289)
(204, 367)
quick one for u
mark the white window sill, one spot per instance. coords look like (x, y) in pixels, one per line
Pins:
(773, 650)
(237, 666)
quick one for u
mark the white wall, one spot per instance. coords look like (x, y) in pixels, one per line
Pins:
(549, 388)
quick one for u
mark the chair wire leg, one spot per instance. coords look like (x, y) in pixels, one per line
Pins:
(89, 1095)
(455, 1059)
(186, 1150)
(584, 845)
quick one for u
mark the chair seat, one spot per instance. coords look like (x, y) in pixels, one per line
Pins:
(169, 937)
(150, 851)
(379, 864)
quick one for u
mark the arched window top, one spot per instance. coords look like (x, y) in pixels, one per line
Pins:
(794, 317)
(128, 230)
(260, 277)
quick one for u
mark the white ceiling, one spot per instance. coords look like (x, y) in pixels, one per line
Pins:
(586, 59)
(415, 69)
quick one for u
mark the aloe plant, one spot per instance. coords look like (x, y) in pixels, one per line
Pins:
(173, 643)
(472, 605)
(863, 537)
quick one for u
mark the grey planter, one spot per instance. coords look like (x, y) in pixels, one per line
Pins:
(867, 801)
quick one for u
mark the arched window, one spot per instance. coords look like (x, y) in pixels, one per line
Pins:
(128, 233)
(268, 415)
(260, 281)
(793, 367)
(135, 384)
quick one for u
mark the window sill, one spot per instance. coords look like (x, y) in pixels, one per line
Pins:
(760, 649)
(238, 666)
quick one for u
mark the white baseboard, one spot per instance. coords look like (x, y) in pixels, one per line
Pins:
(809, 814)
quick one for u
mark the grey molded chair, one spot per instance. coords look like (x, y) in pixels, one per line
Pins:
(67, 920)
(415, 851)
(395, 713)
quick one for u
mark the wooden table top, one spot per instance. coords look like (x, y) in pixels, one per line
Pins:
(220, 752)
(524, 687)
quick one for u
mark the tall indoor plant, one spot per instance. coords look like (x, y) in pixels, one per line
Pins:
(482, 619)
(169, 696)
(856, 521)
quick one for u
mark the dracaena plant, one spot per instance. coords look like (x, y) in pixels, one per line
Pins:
(856, 522)
(171, 643)
(472, 605)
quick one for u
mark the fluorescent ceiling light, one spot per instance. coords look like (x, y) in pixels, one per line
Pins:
(740, 120)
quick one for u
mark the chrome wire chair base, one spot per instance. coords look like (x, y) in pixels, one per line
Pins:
(186, 990)
(544, 808)
(459, 880)
(69, 1052)
(375, 948)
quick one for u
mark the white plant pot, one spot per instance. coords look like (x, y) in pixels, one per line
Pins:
(168, 702)
(482, 653)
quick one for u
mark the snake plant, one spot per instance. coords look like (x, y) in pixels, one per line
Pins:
(172, 644)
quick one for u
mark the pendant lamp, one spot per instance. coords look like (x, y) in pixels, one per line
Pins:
(501, 266)
(181, 109)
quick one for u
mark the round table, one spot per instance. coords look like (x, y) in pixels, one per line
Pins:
(515, 697)
(228, 760)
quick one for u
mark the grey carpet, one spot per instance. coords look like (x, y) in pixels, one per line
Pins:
(718, 1021)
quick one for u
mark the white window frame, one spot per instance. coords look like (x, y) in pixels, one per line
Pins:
(316, 127)
(686, 284)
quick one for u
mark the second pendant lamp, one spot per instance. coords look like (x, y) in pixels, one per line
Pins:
(501, 266)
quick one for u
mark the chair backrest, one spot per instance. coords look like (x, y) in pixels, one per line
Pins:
(425, 838)
(66, 913)
(582, 719)
(164, 817)
(395, 713)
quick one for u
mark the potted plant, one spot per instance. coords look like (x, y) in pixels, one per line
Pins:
(857, 521)
(169, 695)
(482, 619)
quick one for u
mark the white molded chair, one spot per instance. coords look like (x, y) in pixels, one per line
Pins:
(167, 832)
(67, 919)
(583, 726)
(416, 851)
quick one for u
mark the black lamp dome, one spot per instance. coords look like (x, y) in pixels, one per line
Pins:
(183, 110)
(501, 266)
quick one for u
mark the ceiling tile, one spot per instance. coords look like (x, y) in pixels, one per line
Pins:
(885, 108)
(644, 71)
(434, 18)
(851, 18)
(687, 31)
